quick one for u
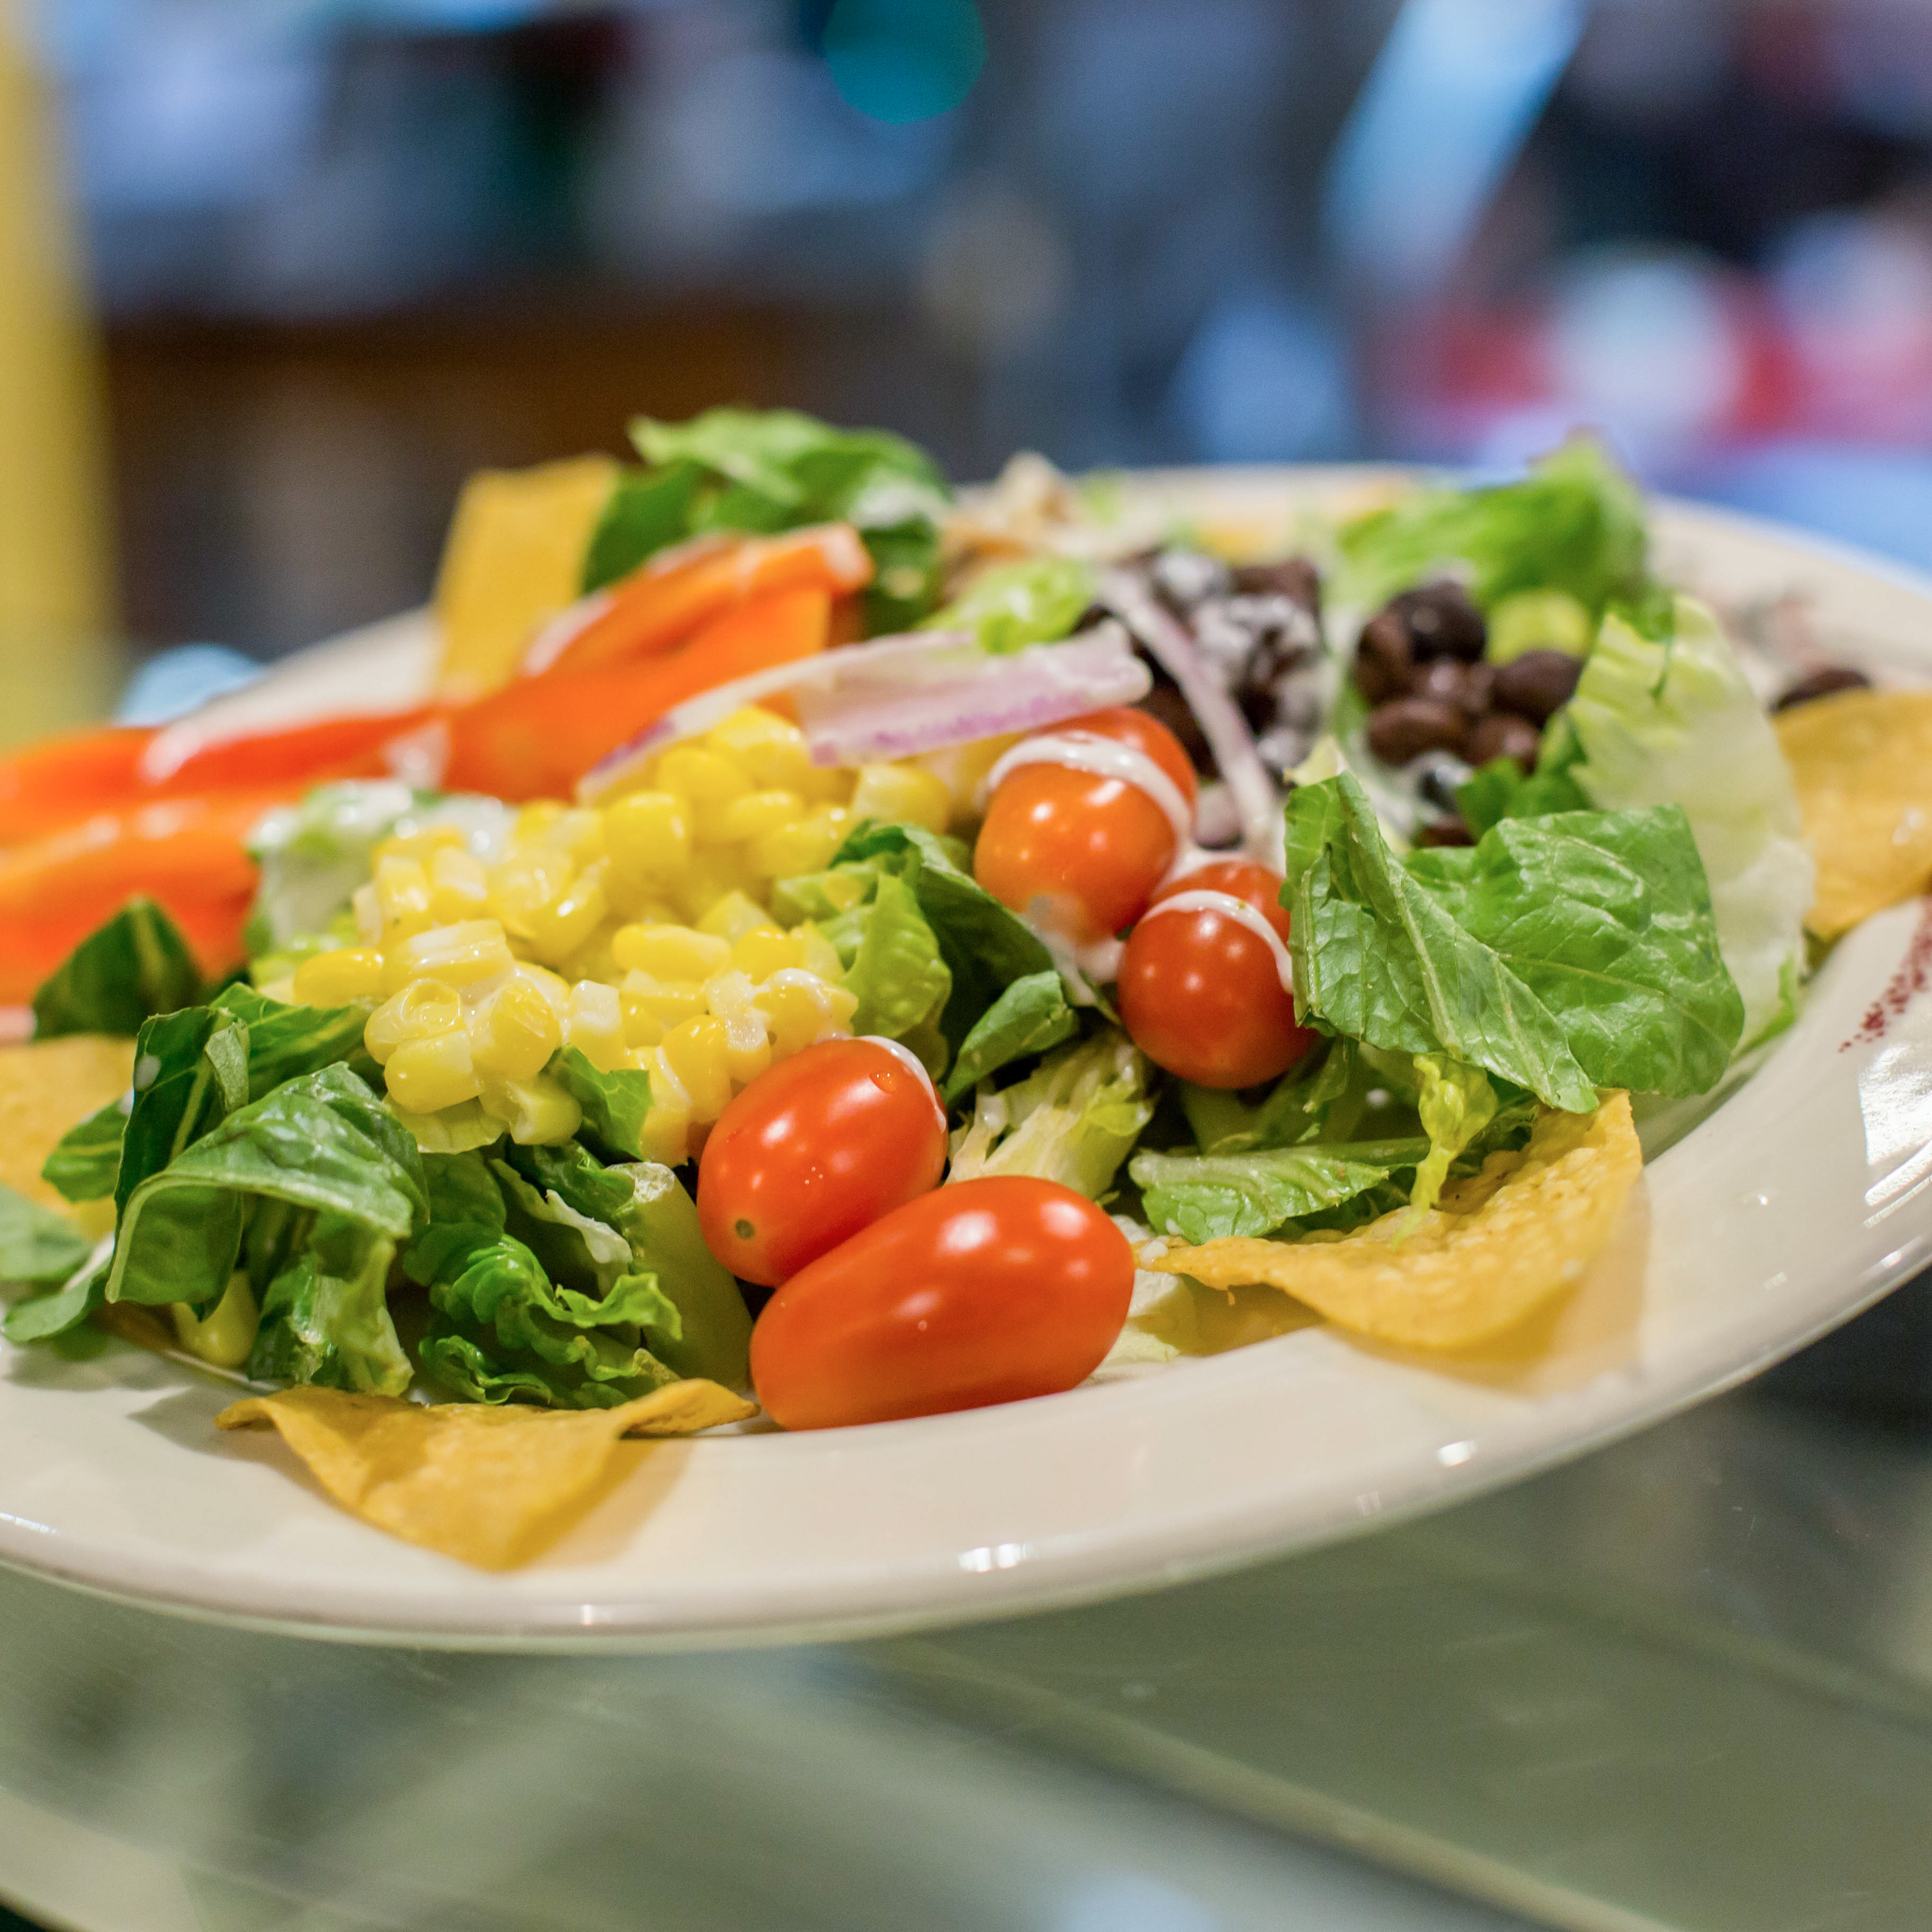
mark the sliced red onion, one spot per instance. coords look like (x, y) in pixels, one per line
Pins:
(1222, 724)
(897, 696)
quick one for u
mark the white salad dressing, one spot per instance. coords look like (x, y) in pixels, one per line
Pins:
(1106, 758)
(1241, 912)
(900, 1052)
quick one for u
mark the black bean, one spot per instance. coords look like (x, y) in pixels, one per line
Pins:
(1822, 684)
(1405, 727)
(1384, 668)
(1537, 684)
(1503, 735)
(1444, 831)
(1293, 576)
(1446, 679)
(1166, 703)
(1442, 621)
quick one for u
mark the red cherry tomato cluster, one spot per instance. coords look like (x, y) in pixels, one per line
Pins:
(896, 1297)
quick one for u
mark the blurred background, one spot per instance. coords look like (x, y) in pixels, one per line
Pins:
(277, 273)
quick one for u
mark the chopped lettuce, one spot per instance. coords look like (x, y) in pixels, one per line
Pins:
(1073, 1119)
(775, 469)
(1030, 1016)
(1557, 953)
(614, 1104)
(1574, 524)
(324, 1318)
(1454, 1104)
(1209, 1197)
(896, 973)
(135, 966)
(1671, 719)
(313, 855)
(1037, 601)
(41, 1317)
(87, 1157)
(1501, 789)
(37, 1246)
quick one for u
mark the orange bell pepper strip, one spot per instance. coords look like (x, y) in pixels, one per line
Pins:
(536, 738)
(45, 786)
(650, 613)
(298, 755)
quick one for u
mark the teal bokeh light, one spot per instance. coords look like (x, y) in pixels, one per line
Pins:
(901, 61)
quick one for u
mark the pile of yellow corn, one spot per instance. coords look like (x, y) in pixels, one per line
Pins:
(639, 932)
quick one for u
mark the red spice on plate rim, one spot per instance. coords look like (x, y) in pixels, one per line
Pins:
(1913, 976)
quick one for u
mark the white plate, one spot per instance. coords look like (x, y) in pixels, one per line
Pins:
(1802, 1199)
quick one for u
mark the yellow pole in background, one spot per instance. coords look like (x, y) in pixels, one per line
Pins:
(58, 658)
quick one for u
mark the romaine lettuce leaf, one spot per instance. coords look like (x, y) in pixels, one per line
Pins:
(314, 855)
(1501, 789)
(41, 1317)
(1210, 1197)
(1073, 1119)
(615, 1105)
(324, 1318)
(190, 1068)
(135, 966)
(1454, 1104)
(1605, 918)
(896, 973)
(1030, 1016)
(286, 1040)
(87, 1157)
(1575, 523)
(1038, 601)
(1377, 958)
(1671, 720)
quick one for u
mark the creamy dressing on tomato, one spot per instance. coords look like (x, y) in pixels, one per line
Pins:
(900, 1052)
(1104, 758)
(1242, 914)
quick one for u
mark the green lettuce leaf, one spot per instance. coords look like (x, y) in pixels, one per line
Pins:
(1670, 719)
(123, 972)
(87, 1157)
(190, 1068)
(1339, 1089)
(1210, 1197)
(1377, 958)
(37, 1246)
(41, 1317)
(615, 1105)
(775, 469)
(1501, 789)
(1030, 1016)
(1038, 601)
(1073, 1119)
(314, 855)
(324, 1318)
(897, 974)
(1575, 523)
(1605, 918)
(285, 1040)
(1455, 1104)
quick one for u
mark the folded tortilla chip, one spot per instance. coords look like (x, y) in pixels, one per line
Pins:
(47, 1087)
(488, 1486)
(1862, 763)
(1500, 1244)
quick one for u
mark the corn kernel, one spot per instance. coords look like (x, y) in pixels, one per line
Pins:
(367, 913)
(827, 784)
(747, 1052)
(282, 991)
(458, 885)
(901, 794)
(538, 1111)
(333, 979)
(765, 950)
(422, 845)
(648, 836)
(524, 884)
(463, 955)
(554, 932)
(402, 896)
(702, 774)
(669, 952)
(805, 846)
(695, 1051)
(515, 1031)
(579, 832)
(594, 1024)
(772, 749)
(802, 1010)
(535, 820)
(553, 986)
(652, 1006)
(713, 874)
(426, 1076)
(424, 1009)
(751, 817)
(666, 1135)
(733, 915)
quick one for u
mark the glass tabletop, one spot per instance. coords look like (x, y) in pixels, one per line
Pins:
(1685, 1682)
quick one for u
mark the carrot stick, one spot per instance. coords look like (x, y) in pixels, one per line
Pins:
(47, 785)
(647, 614)
(537, 737)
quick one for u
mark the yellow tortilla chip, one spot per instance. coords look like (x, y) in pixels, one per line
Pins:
(1862, 763)
(1500, 1243)
(513, 561)
(488, 1486)
(46, 1088)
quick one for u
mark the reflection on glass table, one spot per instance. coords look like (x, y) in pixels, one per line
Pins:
(1684, 1683)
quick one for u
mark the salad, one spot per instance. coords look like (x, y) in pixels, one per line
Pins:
(831, 950)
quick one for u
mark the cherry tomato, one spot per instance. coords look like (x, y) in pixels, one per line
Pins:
(1202, 994)
(1092, 848)
(991, 1291)
(815, 1149)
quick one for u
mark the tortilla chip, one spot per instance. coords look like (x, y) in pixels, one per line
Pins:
(1862, 763)
(1500, 1243)
(514, 559)
(45, 1089)
(488, 1486)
